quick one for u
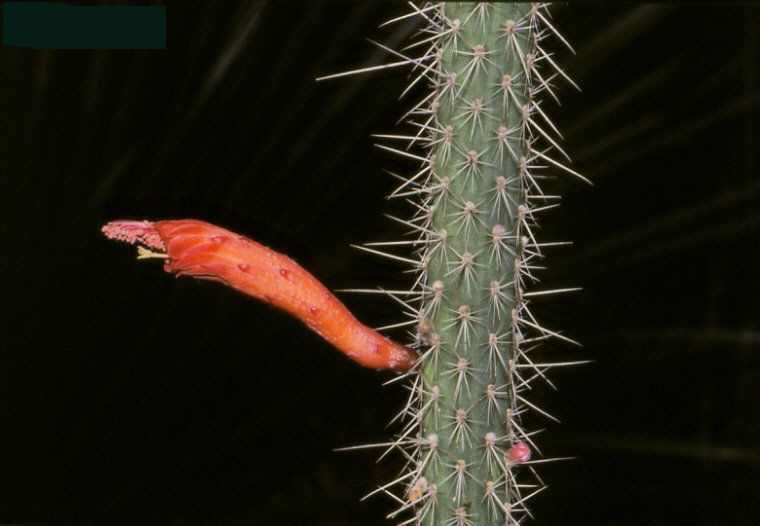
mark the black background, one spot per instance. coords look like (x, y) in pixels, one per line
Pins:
(127, 396)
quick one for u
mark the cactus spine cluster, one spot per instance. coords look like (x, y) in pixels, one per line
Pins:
(484, 144)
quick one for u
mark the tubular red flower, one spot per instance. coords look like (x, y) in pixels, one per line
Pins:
(205, 251)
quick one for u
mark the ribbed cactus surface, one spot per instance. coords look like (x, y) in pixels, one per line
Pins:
(483, 142)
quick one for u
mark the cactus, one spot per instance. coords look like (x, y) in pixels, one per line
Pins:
(482, 138)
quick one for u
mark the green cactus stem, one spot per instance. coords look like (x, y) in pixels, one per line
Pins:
(483, 139)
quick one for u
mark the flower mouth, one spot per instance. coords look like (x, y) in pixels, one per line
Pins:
(141, 233)
(146, 235)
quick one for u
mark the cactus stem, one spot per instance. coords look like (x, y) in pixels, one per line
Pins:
(477, 141)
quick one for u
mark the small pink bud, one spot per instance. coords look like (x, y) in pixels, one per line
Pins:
(519, 452)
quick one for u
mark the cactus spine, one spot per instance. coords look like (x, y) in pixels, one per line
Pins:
(485, 141)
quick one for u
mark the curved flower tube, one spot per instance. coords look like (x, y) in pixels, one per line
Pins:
(205, 251)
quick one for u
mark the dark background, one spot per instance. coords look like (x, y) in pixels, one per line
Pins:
(127, 396)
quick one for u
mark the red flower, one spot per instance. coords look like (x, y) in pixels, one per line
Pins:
(202, 250)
